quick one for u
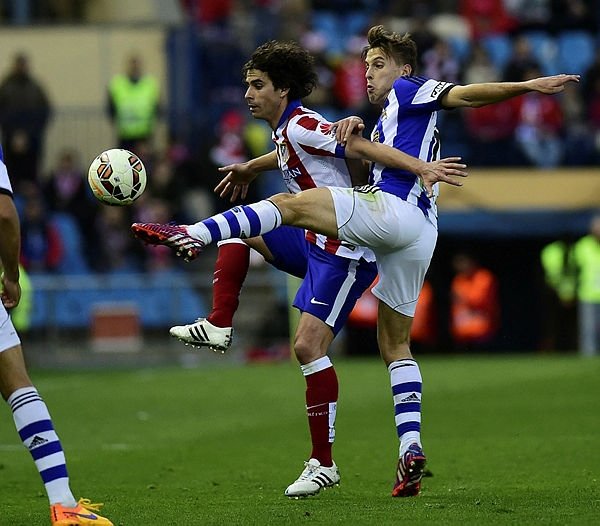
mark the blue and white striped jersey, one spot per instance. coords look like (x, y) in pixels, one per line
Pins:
(408, 123)
(5, 186)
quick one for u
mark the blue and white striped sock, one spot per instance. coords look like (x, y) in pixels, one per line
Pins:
(34, 425)
(241, 221)
(406, 382)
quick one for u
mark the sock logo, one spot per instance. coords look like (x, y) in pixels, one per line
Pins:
(414, 397)
(36, 442)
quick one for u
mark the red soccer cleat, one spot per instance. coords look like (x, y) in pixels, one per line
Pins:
(173, 236)
(410, 472)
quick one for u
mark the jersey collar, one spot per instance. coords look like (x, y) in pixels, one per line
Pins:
(292, 105)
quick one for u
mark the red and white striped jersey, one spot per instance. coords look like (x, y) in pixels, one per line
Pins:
(309, 157)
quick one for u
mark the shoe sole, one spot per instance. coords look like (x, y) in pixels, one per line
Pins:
(147, 236)
(199, 345)
(412, 485)
(154, 238)
(306, 495)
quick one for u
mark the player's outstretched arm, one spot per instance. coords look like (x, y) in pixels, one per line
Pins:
(477, 95)
(240, 175)
(442, 171)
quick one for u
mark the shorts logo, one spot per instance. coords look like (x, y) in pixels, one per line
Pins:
(315, 301)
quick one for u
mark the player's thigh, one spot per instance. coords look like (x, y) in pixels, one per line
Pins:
(402, 272)
(369, 217)
(288, 248)
(332, 286)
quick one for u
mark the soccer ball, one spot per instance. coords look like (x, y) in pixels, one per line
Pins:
(117, 177)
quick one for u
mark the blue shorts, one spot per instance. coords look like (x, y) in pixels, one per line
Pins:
(331, 284)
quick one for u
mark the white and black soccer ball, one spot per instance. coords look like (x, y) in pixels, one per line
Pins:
(117, 177)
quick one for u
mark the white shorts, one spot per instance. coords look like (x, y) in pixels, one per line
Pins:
(399, 234)
(8, 335)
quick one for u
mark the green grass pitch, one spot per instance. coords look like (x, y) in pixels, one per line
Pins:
(510, 440)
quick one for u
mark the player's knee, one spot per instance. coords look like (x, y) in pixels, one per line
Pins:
(286, 205)
(307, 351)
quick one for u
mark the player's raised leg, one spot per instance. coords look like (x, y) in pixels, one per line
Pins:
(312, 209)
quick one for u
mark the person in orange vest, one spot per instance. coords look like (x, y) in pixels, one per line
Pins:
(361, 327)
(474, 306)
(423, 333)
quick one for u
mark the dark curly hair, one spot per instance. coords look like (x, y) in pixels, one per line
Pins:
(288, 66)
(401, 48)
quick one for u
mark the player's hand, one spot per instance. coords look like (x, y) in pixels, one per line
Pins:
(442, 171)
(11, 293)
(346, 127)
(553, 84)
(236, 181)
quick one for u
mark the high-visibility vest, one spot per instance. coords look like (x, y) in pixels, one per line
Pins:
(587, 258)
(475, 306)
(135, 105)
(558, 262)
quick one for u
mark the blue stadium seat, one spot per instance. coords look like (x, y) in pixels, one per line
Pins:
(499, 48)
(576, 51)
(544, 49)
(73, 261)
(461, 47)
(162, 299)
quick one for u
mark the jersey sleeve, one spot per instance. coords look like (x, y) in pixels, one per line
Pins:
(316, 136)
(5, 186)
(420, 95)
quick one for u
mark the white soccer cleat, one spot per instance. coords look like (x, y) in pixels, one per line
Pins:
(203, 333)
(312, 479)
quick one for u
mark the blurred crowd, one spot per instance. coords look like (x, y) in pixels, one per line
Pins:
(460, 41)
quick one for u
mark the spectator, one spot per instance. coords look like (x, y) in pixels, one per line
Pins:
(559, 307)
(439, 62)
(117, 251)
(479, 66)
(539, 128)
(568, 15)
(133, 104)
(423, 333)
(486, 17)
(350, 83)
(24, 113)
(587, 259)
(491, 134)
(520, 62)
(475, 305)
(41, 245)
(532, 15)
(65, 190)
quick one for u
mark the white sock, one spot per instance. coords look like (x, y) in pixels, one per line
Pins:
(35, 428)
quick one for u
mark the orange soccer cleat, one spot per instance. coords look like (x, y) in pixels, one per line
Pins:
(84, 513)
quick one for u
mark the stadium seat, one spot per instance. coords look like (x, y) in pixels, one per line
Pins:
(499, 48)
(544, 49)
(73, 261)
(575, 51)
